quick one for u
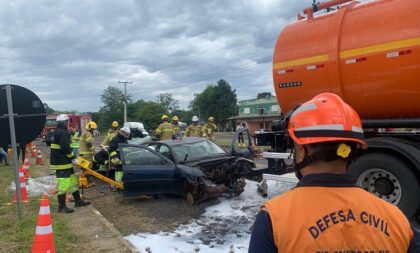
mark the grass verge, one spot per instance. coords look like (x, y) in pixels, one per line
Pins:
(17, 235)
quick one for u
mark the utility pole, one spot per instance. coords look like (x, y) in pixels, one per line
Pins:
(125, 98)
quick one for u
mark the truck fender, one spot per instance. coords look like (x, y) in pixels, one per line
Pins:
(404, 148)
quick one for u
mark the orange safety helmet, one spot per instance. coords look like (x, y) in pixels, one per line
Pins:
(326, 118)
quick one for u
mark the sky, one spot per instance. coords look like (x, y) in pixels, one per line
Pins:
(68, 52)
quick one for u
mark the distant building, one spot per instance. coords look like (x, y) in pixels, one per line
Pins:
(257, 113)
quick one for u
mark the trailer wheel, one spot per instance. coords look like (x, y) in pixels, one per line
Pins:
(388, 178)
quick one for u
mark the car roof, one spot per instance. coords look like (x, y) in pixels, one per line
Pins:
(185, 140)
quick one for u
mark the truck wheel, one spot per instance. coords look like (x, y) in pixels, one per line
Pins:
(388, 178)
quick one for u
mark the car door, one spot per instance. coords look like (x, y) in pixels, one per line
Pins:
(146, 171)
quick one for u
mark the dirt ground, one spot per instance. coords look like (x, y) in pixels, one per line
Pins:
(140, 214)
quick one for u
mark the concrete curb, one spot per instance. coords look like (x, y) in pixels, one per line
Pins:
(111, 227)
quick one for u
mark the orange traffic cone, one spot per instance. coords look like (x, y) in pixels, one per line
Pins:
(44, 237)
(39, 160)
(34, 154)
(26, 168)
(23, 192)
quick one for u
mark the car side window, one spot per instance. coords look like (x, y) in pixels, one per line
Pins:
(142, 157)
(165, 151)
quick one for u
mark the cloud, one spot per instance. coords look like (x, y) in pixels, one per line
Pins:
(68, 52)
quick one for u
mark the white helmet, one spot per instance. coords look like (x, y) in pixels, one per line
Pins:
(62, 117)
(126, 130)
(194, 118)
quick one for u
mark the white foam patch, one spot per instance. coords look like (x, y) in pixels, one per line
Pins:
(225, 227)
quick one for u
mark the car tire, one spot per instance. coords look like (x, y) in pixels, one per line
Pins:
(389, 178)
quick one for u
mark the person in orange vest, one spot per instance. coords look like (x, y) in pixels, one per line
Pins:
(326, 211)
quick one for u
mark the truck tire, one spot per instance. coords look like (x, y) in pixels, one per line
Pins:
(388, 178)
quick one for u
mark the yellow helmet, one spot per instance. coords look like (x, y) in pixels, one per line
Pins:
(114, 124)
(211, 119)
(164, 117)
(175, 118)
(91, 125)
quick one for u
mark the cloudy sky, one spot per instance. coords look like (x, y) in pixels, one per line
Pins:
(67, 52)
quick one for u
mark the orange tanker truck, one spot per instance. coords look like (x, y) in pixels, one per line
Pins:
(369, 54)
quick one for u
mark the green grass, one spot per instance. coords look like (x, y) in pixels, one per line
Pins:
(17, 235)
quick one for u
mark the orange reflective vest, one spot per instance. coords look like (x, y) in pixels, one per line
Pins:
(336, 219)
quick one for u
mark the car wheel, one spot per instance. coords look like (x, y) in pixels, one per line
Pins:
(388, 178)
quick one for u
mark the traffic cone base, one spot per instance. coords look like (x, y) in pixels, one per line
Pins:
(44, 237)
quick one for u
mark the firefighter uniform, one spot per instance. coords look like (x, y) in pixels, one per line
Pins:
(193, 130)
(328, 213)
(114, 154)
(87, 147)
(108, 139)
(165, 131)
(61, 161)
(208, 129)
(75, 143)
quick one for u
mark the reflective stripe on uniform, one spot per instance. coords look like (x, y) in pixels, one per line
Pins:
(61, 166)
(85, 153)
(113, 153)
(55, 146)
(70, 155)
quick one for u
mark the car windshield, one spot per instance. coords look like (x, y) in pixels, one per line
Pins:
(197, 150)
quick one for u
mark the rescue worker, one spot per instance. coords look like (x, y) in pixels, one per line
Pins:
(114, 128)
(326, 211)
(75, 142)
(61, 161)
(165, 130)
(112, 132)
(209, 128)
(114, 154)
(177, 129)
(86, 143)
(194, 129)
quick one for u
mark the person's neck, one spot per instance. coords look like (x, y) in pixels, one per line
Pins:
(319, 167)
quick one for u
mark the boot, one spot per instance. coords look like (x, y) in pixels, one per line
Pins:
(78, 201)
(62, 208)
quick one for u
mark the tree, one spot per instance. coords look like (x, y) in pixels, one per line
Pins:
(264, 95)
(167, 101)
(183, 115)
(219, 101)
(48, 110)
(113, 107)
(147, 112)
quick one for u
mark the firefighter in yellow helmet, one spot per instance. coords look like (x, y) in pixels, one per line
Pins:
(112, 132)
(194, 129)
(177, 129)
(86, 143)
(165, 130)
(209, 128)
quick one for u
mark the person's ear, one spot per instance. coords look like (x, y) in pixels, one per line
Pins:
(300, 153)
